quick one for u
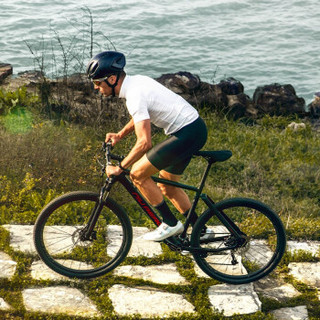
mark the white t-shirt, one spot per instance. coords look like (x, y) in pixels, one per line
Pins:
(148, 99)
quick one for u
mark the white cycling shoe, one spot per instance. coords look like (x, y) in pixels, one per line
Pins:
(164, 231)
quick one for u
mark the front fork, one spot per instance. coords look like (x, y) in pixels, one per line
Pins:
(88, 232)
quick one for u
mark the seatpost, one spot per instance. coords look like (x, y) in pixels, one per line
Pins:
(205, 175)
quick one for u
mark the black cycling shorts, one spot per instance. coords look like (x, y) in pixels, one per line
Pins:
(174, 154)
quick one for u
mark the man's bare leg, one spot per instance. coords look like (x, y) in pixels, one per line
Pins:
(140, 175)
(176, 195)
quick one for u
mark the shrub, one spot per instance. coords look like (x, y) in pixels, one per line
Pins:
(22, 204)
(21, 98)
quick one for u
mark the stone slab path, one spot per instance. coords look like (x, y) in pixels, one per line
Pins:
(59, 299)
(149, 301)
(127, 301)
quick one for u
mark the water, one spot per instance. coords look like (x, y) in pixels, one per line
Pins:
(256, 42)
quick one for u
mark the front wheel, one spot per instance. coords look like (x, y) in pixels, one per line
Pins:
(239, 260)
(58, 235)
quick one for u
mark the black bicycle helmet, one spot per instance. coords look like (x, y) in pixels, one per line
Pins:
(105, 64)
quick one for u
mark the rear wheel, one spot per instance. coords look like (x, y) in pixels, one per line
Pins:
(240, 260)
(58, 235)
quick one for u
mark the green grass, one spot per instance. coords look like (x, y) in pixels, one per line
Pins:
(41, 159)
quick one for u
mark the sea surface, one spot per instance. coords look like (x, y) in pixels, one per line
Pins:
(256, 42)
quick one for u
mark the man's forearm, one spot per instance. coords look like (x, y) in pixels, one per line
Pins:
(127, 129)
(143, 143)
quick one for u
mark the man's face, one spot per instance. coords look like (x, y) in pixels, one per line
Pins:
(102, 86)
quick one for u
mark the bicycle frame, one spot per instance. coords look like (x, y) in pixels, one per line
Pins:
(149, 210)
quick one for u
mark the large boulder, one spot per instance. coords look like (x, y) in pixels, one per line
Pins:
(196, 92)
(277, 99)
(180, 82)
(209, 96)
(230, 99)
(231, 86)
(240, 106)
(227, 96)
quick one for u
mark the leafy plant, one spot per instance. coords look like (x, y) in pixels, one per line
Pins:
(22, 206)
(12, 100)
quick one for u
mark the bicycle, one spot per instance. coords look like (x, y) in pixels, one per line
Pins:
(85, 234)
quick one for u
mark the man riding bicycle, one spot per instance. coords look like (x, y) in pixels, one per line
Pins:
(149, 102)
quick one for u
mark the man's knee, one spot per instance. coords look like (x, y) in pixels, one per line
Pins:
(141, 171)
(136, 176)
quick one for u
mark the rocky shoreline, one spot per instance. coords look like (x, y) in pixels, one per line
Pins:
(227, 96)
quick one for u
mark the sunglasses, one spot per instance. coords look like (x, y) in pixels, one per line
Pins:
(98, 82)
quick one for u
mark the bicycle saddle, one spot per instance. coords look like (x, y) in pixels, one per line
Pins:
(215, 156)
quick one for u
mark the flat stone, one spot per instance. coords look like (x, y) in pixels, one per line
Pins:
(312, 247)
(60, 299)
(164, 274)
(65, 244)
(281, 293)
(140, 247)
(275, 289)
(294, 313)
(21, 238)
(231, 299)
(7, 266)
(40, 271)
(306, 272)
(4, 305)
(147, 302)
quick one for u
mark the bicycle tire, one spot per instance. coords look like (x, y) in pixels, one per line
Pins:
(57, 236)
(265, 246)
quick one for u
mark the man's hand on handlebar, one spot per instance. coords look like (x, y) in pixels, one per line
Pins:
(113, 171)
(113, 137)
